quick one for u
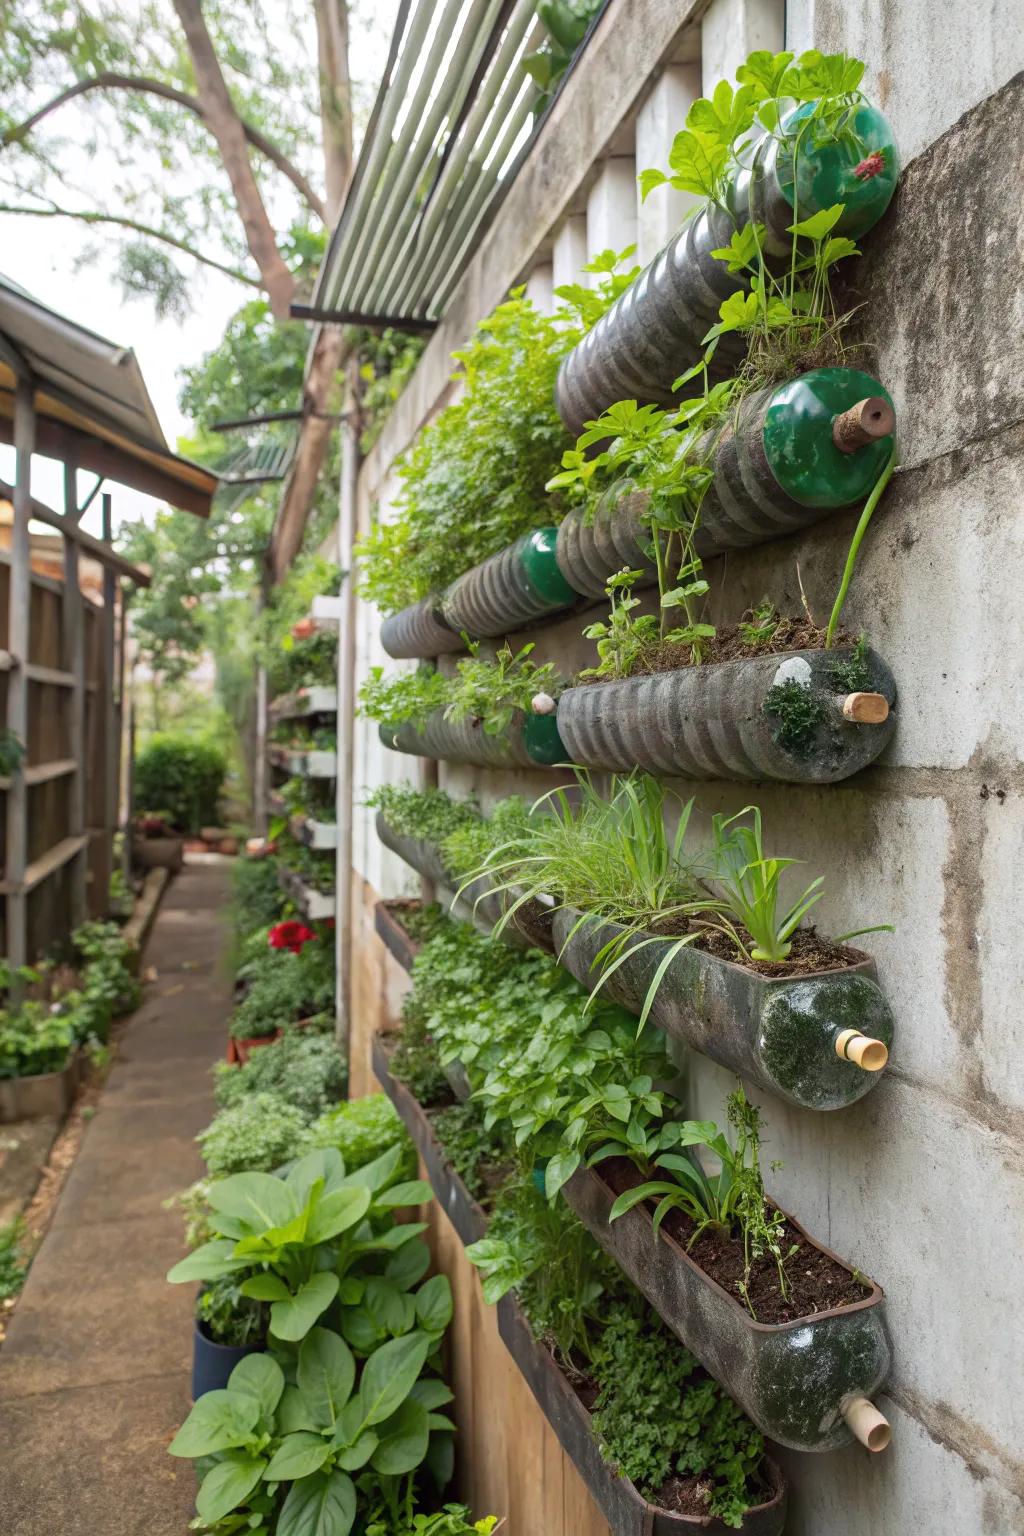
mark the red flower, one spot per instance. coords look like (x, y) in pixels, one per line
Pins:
(290, 935)
(874, 165)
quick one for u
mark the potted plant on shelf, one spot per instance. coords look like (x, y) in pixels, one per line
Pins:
(38, 1062)
(155, 843)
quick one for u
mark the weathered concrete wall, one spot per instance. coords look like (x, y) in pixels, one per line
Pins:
(921, 1183)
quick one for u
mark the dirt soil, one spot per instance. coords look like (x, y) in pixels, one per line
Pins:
(729, 645)
(815, 1282)
(811, 951)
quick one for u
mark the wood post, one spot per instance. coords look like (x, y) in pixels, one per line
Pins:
(866, 1423)
(863, 423)
(868, 1054)
(17, 681)
(73, 647)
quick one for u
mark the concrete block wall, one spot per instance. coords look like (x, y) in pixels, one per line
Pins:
(920, 1185)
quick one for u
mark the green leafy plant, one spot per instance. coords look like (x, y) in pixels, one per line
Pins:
(33, 1039)
(749, 884)
(183, 775)
(362, 1129)
(12, 752)
(733, 1198)
(395, 698)
(281, 987)
(303, 1068)
(472, 1148)
(566, 23)
(474, 478)
(761, 627)
(260, 1132)
(228, 1317)
(428, 814)
(452, 1520)
(13, 1264)
(624, 642)
(493, 691)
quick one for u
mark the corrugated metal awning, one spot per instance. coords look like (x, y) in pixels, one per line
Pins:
(455, 114)
(92, 404)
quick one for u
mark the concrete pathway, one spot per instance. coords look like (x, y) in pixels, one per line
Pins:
(94, 1373)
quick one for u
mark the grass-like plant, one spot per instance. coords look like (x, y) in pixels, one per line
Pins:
(748, 882)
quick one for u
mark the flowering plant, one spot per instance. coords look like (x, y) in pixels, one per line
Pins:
(291, 935)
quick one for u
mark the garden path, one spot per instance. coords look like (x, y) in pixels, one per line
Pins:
(94, 1374)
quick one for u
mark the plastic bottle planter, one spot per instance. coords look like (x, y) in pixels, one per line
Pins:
(793, 455)
(790, 717)
(628, 1514)
(806, 1384)
(510, 589)
(531, 924)
(531, 741)
(419, 631)
(819, 1041)
(655, 330)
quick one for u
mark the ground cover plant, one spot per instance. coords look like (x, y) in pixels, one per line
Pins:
(282, 984)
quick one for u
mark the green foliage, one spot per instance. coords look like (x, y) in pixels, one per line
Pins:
(387, 361)
(491, 691)
(853, 674)
(33, 1039)
(655, 1416)
(13, 1264)
(361, 1129)
(474, 478)
(476, 837)
(798, 710)
(228, 1317)
(414, 1059)
(350, 1312)
(748, 882)
(182, 776)
(12, 752)
(452, 1520)
(760, 629)
(282, 987)
(566, 23)
(429, 814)
(396, 697)
(259, 1133)
(624, 643)
(471, 1147)
(257, 899)
(302, 1068)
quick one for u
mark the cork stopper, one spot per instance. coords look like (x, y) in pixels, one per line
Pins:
(865, 1052)
(866, 1423)
(865, 708)
(863, 423)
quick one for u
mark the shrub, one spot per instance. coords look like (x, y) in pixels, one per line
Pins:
(362, 1129)
(257, 899)
(256, 1135)
(282, 986)
(183, 776)
(302, 1068)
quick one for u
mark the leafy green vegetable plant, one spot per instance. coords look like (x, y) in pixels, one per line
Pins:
(260, 1132)
(491, 691)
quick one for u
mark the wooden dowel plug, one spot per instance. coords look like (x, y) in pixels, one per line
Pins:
(865, 708)
(863, 1050)
(863, 423)
(866, 1424)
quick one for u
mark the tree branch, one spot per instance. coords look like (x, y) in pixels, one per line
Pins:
(108, 80)
(87, 216)
(223, 121)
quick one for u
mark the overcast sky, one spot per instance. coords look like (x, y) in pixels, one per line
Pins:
(44, 256)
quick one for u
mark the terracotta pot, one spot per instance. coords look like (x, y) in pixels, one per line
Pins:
(239, 1051)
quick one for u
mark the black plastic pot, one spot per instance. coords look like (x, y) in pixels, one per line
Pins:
(762, 717)
(627, 1512)
(419, 631)
(212, 1363)
(795, 1380)
(790, 1035)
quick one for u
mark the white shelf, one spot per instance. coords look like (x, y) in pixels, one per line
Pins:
(314, 764)
(314, 905)
(318, 700)
(321, 836)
